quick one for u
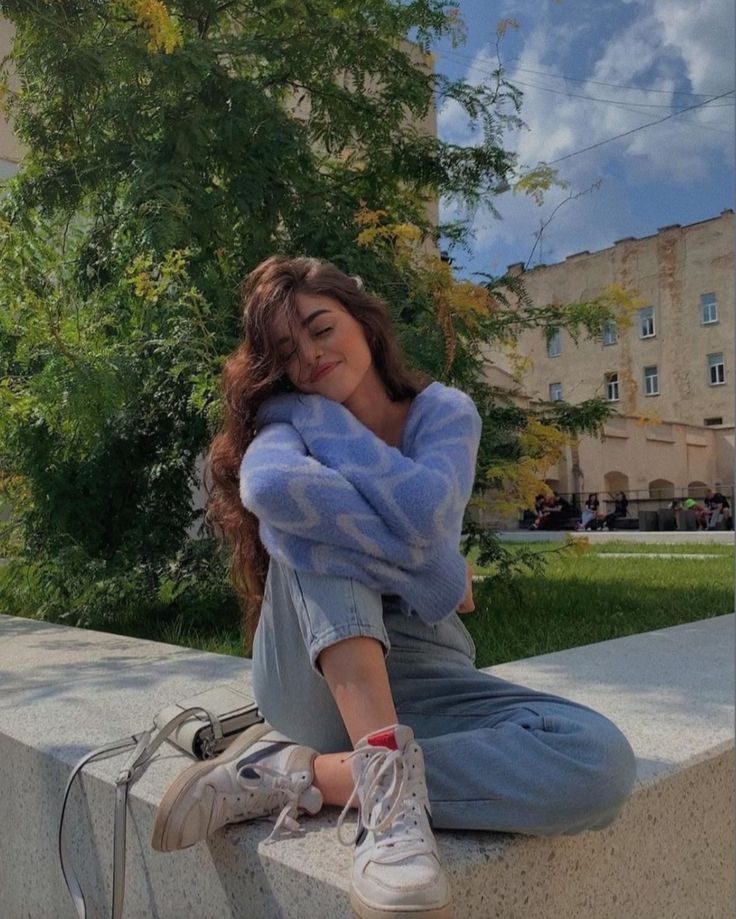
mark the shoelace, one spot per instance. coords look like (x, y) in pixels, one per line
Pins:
(374, 774)
(283, 785)
(411, 839)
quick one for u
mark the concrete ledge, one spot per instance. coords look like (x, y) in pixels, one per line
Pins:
(670, 853)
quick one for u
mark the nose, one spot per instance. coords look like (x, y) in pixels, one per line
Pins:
(310, 352)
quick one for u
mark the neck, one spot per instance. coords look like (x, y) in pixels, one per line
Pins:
(372, 407)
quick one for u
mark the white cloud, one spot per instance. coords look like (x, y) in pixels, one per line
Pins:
(667, 45)
(453, 126)
(704, 37)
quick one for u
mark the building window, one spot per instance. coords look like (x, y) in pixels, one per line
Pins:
(710, 421)
(553, 343)
(555, 392)
(708, 309)
(646, 322)
(651, 381)
(612, 387)
(610, 332)
(716, 369)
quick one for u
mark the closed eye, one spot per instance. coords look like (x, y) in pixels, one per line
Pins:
(287, 357)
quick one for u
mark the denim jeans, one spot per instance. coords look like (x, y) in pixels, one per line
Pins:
(498, 756)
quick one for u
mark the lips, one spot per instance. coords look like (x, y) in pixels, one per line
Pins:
(321, 372)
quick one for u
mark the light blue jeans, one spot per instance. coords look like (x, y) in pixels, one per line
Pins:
(498, 756)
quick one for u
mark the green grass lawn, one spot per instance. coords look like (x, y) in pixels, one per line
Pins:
(578, 600)
(581, 599)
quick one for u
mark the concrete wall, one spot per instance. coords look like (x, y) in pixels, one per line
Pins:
(676, 453)
(668, 854)
(644, 460)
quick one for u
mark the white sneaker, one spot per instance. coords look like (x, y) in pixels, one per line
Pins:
(396, 868)
(260, 772)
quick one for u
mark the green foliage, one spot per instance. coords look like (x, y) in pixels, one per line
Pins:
(166, 159)
(536, 182)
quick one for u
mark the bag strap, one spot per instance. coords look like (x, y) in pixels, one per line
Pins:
(144, 748)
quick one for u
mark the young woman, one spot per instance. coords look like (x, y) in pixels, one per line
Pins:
(589, 517)
(359, 471)
(620, 509)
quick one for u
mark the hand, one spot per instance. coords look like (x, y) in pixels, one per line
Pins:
(467, 605)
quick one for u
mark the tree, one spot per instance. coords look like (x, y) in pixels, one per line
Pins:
(172, 146)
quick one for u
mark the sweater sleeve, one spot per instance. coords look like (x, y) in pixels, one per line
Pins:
(293, 493)
(314, 520)
(420, 497)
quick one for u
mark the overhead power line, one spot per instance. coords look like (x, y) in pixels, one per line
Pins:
(641, 89)
(641, 127)
(617, 102)
(629, 105)
(562, 76)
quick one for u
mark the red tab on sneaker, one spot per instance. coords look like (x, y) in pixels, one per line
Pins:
(383, 739)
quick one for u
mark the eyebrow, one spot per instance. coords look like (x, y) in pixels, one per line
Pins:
(305, 322)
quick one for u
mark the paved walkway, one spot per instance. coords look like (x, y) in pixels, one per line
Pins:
(701, 537)
(659, 555)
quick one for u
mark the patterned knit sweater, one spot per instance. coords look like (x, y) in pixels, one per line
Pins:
(333, 498)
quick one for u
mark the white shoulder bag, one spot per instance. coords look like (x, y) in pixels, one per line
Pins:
(202, 726)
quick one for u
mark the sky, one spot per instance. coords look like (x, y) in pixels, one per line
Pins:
(590, 70)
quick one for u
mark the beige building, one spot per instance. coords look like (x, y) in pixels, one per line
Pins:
(668, 375)
(11, 151)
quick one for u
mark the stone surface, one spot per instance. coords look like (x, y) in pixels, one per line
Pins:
(670, 853)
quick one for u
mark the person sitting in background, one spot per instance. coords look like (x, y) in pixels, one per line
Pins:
(701, 513)
(589, 518)
(540, 504)
(542, 507)
(717, 507)
(675, 506)
(620, 506)
(565, 511)
(557, 509)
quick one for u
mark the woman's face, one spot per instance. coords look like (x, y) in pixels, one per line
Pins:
(330, 355)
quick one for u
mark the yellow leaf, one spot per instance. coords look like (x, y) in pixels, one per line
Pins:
(579, 545)
(504, 25)
(537, 181)
(164, 32)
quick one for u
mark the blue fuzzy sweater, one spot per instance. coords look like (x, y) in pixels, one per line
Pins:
(333, 498)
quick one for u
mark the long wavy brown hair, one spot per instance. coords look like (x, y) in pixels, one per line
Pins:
(255, 371)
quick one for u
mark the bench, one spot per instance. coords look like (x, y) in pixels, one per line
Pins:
(686, 520)
(648, 520)
(669, 853)
(569, 523)
(626, 523)
(666, 519)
